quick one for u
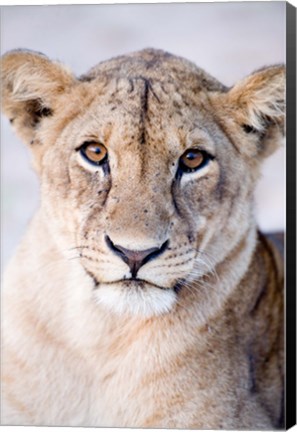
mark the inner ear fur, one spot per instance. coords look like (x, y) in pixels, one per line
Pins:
(257, 105)
(261, 97)
(31, 84)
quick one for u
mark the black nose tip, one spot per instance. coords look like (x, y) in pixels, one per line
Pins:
(135, 258)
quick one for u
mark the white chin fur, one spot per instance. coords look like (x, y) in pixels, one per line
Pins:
(146, 302)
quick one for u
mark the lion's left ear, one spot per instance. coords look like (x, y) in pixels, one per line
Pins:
(257, 104)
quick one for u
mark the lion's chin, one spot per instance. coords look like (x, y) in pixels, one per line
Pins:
(135, 298)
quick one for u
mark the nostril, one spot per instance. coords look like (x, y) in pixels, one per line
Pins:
(135, 258)
(155, 252)
(112, 246)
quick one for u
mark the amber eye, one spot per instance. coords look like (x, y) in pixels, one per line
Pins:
(192, 160)
(94, 152)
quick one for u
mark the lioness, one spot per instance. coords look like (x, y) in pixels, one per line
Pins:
(142, 294)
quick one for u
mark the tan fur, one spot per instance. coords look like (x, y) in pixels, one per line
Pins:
(81, 346)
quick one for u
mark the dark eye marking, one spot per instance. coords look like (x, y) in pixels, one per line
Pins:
(249, 129)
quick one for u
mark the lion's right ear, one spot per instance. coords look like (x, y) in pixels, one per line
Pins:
(31, 84)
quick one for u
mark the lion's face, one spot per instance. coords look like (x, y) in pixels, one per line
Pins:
(144, 181)
(141, 220)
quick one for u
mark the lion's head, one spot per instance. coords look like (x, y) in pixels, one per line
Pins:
(147, 165)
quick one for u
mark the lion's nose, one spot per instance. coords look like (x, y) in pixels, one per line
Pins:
(135, 258)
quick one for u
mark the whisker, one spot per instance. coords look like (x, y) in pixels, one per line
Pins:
(73, 258)
(91, 258)
(78, 247)
(98, 251)
(208, 261)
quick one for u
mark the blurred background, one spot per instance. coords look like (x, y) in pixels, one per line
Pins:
(228, 40)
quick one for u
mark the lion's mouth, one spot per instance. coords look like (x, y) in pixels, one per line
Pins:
(133, 296)
(135, 283)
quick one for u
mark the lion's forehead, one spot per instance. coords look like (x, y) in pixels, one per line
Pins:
(147, 93)
(155, 65)
(144, 111)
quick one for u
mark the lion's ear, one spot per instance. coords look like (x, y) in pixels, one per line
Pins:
(260, 98)
(30, 85)
(257, 104)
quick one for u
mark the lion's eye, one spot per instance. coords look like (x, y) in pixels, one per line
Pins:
(192, 160)
(93, 152)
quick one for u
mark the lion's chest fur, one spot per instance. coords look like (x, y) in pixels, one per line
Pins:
(131, 375)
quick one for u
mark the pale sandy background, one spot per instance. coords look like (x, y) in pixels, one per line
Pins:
(229, 40)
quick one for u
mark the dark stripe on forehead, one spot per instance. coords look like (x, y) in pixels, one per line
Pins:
(144, 104)
(143, 108)
(144, 98)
